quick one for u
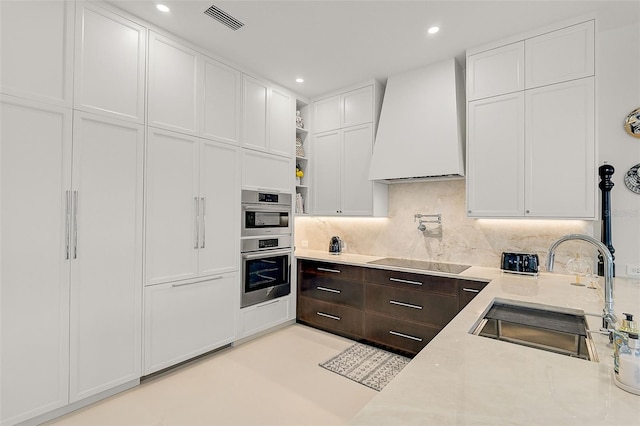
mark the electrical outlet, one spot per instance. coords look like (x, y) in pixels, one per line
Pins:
(305, 243)
(344, 245)
(633, 270)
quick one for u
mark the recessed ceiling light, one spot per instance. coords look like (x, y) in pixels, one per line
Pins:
(433, 30)
(162, 8)
(299, 80)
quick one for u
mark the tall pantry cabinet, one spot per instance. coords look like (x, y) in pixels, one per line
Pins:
(71, 208)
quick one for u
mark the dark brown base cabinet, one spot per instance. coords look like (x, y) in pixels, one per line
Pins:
(400, 311)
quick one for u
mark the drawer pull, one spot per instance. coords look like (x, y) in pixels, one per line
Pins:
(406, 305)
(470, 290)
(398, 280)
(330, 290)
(406, 336)
(333, 317)
(335, 271)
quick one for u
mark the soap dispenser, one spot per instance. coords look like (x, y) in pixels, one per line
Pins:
(628, 377)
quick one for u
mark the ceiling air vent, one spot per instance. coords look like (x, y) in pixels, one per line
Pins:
(224, 18)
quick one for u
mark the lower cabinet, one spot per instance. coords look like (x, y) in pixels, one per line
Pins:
(184, 320)
(260, 317)
(400, 311)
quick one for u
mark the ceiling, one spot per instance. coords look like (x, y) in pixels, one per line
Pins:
(333, 44)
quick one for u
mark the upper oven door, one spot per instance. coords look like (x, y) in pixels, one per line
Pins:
(265, 220)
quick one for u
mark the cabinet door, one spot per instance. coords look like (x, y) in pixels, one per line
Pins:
(36, 40)
(281, 124)
(327, 114)
(172, 85)
(186, 320)
(562, 55)
(327, 176)
(172, 202)
(221, 102)
(255, 113)
(263, 316)
(357, 189)
(110, 64)
(219, 208)
(495, 156)
(496, 71)
(357, 107)
(106, 271)
(34, 296)
(560, 150)
(263, 171)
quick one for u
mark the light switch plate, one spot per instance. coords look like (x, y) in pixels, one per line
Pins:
(633, 270)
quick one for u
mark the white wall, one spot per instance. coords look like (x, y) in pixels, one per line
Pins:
(481, 242)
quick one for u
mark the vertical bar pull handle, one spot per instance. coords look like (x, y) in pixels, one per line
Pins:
(67, 228)
(196, 209)
(203, 201)
(75, 224)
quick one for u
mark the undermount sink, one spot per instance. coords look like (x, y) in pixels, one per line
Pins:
(550, 328)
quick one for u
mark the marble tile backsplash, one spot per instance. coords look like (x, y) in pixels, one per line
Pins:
(458, 239)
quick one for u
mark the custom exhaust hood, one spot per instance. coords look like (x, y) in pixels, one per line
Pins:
(421, 133)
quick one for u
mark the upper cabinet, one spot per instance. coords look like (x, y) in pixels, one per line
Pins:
(220, 112)
(542, 157)
(173, 85)
(268, 118)
(344, 110)
(36, 40)
(110, 64)
(558, 56)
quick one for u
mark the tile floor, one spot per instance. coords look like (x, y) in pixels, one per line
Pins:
(272, 380)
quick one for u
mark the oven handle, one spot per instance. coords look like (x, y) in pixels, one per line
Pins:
(284, 208)
(265, 253)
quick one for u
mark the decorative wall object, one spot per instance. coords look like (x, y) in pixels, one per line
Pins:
(632, 123)
(632, 179)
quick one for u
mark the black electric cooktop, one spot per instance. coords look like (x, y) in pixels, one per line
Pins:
(450, 268)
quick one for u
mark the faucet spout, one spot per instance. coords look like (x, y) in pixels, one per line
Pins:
(609, 319)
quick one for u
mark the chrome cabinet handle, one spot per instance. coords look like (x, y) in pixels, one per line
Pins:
(406, 305)
(398, 280)
(330, 290)
(196, 210)
(67, 229)
(197, 282)
(335, 271)
(470, 290)
(333, 317)
(75, 224)
(406, 336)
(202, 200)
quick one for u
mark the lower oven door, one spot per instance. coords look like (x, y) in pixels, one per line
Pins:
(265, 275)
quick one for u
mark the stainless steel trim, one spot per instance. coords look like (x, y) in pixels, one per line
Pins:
(186, 284)
(406, 305)
(265, 254)
(335, 271)
(196, 210)
(67, 234)
(470, 290)
(75, 224)
(333, 317)
(406, 336)
(203, 221)
(398, 280)
(330, 290)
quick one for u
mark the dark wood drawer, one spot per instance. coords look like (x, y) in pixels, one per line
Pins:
(402, 335)
(429, 283)
(429, 308)
(467, 290)
(334, 270)
(336, 318)
(329, 289)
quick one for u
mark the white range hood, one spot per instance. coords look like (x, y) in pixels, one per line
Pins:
(421, 130)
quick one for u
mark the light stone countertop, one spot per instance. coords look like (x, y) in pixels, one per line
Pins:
(459, 378)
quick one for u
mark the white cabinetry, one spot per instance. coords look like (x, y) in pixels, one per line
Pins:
(340, 158)
(36, 40)
(524, 139)
(173, 85)
(221, 102)
(268, 118)
(86, 219)
(192, 207)
(263, 316)
(496, 71)
(261, 171)
(110, 64)
(183, 320)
